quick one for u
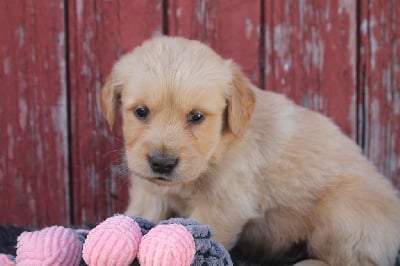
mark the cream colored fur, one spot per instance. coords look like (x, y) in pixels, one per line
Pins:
(261, 170)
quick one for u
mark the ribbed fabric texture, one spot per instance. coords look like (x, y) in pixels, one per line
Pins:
(6, 260)
(113, 242)
(54, 245)
(167, 245)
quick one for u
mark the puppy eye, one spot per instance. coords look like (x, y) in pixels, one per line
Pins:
(195, 117)
(142, 112)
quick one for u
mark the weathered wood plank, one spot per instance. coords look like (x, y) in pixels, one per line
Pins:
(33, 114)
(232, 28)
(379, 84)
(100, 31)
(310, 55)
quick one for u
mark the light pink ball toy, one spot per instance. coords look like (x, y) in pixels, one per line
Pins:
(54, 245)
(115, 241)
(5, 260)
(167, 245)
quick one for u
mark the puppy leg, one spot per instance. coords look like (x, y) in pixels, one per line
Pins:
(227, 225)
(357, 225)
(146, 205)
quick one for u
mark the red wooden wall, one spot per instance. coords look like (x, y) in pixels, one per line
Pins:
(59, 162)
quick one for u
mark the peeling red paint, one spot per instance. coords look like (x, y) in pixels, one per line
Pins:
(33, 158)
(311, 54)
(380, 84)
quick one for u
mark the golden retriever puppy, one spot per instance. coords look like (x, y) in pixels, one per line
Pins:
(202, 142)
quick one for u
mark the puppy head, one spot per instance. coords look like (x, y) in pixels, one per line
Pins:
(178, 100)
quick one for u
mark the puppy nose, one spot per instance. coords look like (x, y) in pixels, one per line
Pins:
(163, 163)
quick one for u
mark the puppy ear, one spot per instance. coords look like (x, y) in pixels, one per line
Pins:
(109, 96)
(241, 101)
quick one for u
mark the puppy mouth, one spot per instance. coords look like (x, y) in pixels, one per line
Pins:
(160, 180)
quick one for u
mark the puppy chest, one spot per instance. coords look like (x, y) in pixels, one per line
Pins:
(179, 206)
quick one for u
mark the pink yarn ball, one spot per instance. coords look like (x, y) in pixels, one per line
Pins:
(5, 260)
(167, 245)
(54, 245)
(113, 242)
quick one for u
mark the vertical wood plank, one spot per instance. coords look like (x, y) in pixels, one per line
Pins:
(379, 84)
(99, 32)
(33, 114)
(232, 28)
(311, 56)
